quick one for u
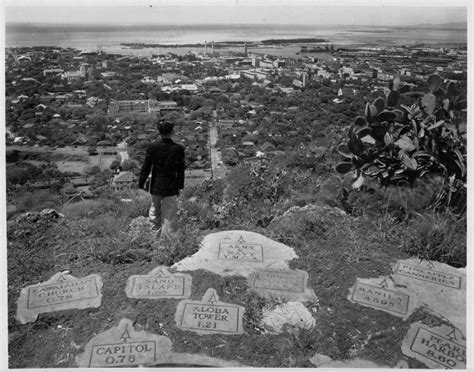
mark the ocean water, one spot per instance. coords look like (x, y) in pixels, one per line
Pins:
(93, 37)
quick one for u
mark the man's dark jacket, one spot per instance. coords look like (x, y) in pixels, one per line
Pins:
(165, 159)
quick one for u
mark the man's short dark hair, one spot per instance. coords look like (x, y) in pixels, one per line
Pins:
(165, 128)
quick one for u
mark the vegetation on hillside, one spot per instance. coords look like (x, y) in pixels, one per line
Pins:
(402, 194)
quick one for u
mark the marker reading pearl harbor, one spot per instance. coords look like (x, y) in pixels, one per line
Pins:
(323, 217)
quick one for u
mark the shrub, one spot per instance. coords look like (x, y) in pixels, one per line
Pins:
(373, 200)
(173, 248)
(106, 238)
(121, 250)
(140, 204)
(89, 208)
(37, 201)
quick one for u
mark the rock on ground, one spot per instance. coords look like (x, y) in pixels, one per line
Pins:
(292, 314)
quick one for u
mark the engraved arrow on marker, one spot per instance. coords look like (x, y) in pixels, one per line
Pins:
(213, 299)
(384, 284)
(125, 336)
(61, 278)
(453, 337)
(160, 272)
(241, 240)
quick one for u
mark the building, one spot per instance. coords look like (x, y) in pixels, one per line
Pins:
(255, 62)
(53, 71)
(226, 123)
(72, 75)
(266, 64)
(190, 88)
(123, 106)
(108, 74)
(279, 63)
(83, 71)
(254, 74)
(148, 80)
(159, 106)
(346, 92)
(123, 181)
(346, 70)
(297, 83)
(150, 106)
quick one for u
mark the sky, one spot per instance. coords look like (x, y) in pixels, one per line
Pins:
(373, 12)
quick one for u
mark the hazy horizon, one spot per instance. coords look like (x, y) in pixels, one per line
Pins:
(157, 14)
(8, 23)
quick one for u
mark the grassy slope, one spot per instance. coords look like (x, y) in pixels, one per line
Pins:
(333, 249)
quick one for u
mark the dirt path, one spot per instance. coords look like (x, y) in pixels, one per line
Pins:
(123, 152)
(219, 170)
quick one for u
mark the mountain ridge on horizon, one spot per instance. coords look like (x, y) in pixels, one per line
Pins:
(448, 25)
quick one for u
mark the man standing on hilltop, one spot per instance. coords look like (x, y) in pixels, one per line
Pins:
(165, 159)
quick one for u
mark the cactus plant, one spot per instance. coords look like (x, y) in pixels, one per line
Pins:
(398, 144)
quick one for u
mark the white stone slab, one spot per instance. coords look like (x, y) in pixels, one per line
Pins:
(159, 283)
(288, 284)
(440, 347)
(181, 360)
(237, 252)
(293, 314)
(62, 292)
(210, 316)
(122, 346)
(320, 359)
(381, 294)
(350, 363)
(440, 287)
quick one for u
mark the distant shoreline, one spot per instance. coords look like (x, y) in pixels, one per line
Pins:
(224, 44)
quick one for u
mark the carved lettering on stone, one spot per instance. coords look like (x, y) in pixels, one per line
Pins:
(237, 252)
(439, 287)
(240, 251)
(438, 347)
(122, 346)
(429, 275)
(209, 315)
(381, 298)
(61, 292)
(289, 284)
(159, 283)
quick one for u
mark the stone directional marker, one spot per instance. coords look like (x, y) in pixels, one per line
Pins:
(433, 273)
(381, 294)
(237, 252)
(159, 283)
(442, 288)
(61, 292)
(288, 284)
(210, 316)
(122, 346)
(439, 347)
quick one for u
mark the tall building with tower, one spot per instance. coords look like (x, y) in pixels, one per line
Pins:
(304, 78)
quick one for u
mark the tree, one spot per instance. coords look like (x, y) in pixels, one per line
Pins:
(93, 170)
(195, 102)
(115, 165)
(129, 165)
